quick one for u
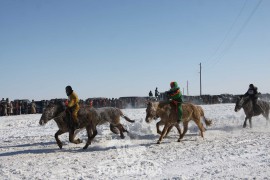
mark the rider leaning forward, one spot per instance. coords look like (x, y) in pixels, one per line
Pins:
(253, 94)
(73, 105)
(175, 96)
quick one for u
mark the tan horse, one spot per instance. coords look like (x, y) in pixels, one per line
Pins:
(207, 122)
(168, 117)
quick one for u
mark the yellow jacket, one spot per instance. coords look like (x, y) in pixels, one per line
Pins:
(73, 100)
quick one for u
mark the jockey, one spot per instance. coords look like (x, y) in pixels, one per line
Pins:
(73, 105)
(175, 96)
(253, 94)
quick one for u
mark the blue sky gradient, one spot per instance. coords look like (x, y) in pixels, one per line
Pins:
(114, 48)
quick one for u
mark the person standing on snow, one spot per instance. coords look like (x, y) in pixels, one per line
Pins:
(156, 93)
(73, 105)
(150, 94)
(33, 107)
(175, 96)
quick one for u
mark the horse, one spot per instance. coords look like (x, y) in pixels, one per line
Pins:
(111, 115)
(88, 117)
(168, 117)
(250, 111)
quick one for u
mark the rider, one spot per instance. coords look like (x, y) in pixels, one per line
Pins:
(175, 96)
(73, 105)
(253, 94)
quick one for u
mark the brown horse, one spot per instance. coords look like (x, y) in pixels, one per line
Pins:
(88, 117)
(168, 117)
(250, 111)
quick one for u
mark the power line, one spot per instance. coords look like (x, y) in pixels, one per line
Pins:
(228, 32)
(229, 46)
(238, 33)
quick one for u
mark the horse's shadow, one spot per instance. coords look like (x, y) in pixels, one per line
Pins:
(227, 128)
(29, 145)
(29, 151)
(93, 148)
(70, 150)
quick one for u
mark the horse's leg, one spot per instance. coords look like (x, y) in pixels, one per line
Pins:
(122, 130)
(58, 133)
(163, 133)
(245, 123)
(267, 119)
(200, 126)
(72, 137)
(91, 135)
(179, 131)
(158, 130)
(185, 124)
(170, 128)
(250, 122)
(266, 115)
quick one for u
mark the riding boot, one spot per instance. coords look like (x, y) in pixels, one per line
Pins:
(76, 124)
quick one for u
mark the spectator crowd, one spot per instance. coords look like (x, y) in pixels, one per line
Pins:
(19, 107)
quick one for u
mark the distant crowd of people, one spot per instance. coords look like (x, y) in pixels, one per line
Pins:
(122, 103)
(17, 107)
(157, 94)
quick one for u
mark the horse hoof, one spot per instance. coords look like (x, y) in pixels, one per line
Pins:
(179, 140)
(122, 137)
(60, 146)
(85, 147)
(158, 142)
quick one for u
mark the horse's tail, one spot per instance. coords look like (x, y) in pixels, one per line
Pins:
(127, 119)
(197, 114)
(208, 122)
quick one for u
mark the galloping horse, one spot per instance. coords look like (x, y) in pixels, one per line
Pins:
(168, 117)
(57, 112)
(250, 111)
(88, 117)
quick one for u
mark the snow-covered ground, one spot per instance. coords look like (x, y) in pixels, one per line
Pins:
(29, 151)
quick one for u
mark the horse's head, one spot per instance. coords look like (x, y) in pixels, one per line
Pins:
(52, 111)
(239, 103)
(151, 112)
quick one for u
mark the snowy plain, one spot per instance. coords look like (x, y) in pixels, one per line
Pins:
(29, 151)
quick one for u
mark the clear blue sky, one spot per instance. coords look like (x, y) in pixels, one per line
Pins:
(114, 48)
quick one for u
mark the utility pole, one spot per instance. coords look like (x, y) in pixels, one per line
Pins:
(183, 91)
(200, 79)
(187, 89)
